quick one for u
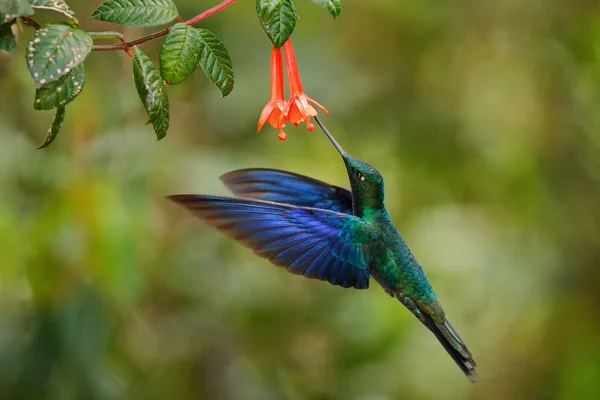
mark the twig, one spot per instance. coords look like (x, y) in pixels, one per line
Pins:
(126, 45)
(209, 12)
(31, 22)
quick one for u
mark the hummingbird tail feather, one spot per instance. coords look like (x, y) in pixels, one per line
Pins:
(453, 344)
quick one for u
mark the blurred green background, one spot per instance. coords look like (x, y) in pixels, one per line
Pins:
(483, 118)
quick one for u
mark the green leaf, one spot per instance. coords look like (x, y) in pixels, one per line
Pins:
(55, 50)
(278, 19)
(215, 61)
(152, 92)
(161, 123)
(333, 6)
(59, 117)
(11, 9)
(179, 53)
(7, 39)
(54, 5)
(61, 91)
(136, 12)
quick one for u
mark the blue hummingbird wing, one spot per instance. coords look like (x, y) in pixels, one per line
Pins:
(288, 188)
(320, 244)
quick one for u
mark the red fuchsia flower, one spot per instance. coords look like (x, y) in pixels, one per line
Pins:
(298, 106)
(274, 111)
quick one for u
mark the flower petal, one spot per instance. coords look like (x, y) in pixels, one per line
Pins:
(275, 118)
(318, 105)
(294, 114)
(265, 114)
(310, 110)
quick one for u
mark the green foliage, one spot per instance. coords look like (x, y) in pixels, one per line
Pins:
(7, 39)
(54, 5)
(179, 53)
(333, 6)
(59, 117)
(56, 49)
(136, 12)
(215, 61)
(278, 19)
(185, 48)
(152, 92)
(60, 92)
(11, 9)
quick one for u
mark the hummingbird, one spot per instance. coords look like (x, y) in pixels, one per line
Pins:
(329, 233)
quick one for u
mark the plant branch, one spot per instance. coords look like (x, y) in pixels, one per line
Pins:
(31, 22)
(126, 45)
(209, 12)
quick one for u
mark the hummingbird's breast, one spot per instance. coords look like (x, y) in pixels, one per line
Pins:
(396, 269)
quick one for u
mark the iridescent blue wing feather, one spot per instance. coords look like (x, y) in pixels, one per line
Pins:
(320, 244)
(288, 188)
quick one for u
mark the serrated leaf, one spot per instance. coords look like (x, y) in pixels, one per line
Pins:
(55, 50)
(215, 61)
(333, 6)
(7, 39)
(59, 117)
(136, 12)
(54, 5)
(152, 92)
(11, 9)
(278, 19)
(179, 53)
(61, 91)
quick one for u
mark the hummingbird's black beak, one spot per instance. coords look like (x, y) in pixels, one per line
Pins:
(330, 136)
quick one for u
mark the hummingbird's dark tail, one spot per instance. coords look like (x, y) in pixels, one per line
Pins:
(453, 344)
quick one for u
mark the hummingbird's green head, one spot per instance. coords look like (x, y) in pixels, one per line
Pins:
(366, 181)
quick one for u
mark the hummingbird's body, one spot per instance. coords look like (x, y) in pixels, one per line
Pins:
(329, 233)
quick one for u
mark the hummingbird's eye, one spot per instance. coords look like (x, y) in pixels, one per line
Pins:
(359, 175)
